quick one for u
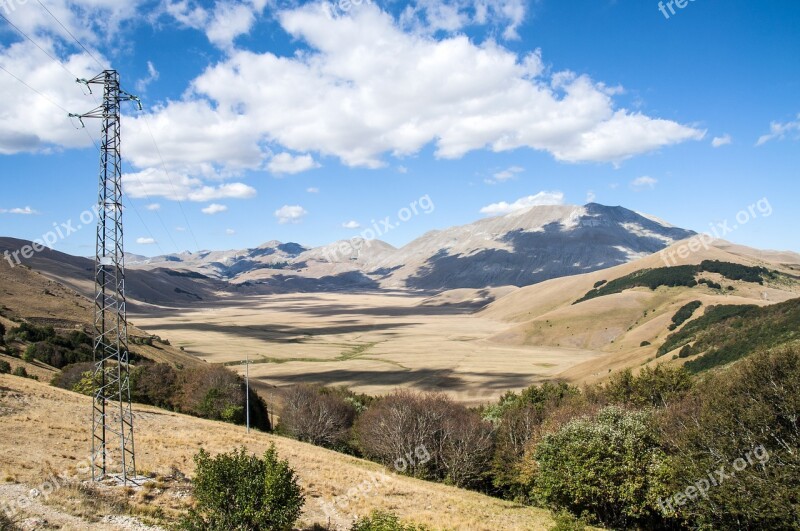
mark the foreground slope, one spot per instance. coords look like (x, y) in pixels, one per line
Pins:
(45, 431)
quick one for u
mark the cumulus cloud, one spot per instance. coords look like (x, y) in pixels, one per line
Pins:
(153, 206)
(366, 88)
(431, 16)
(290, 214)
(644, 182)
(590, 196)
(230, 232)
(540, 199)
(223, 24)
(312, 190)
(779, 131)
(214, 208)
(146, 241)
(351, 225)
(288, 163)
(720, 141)
(180, 187)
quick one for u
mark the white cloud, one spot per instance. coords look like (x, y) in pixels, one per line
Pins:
(779, 131)
(228, 20)
(591, 196)
(287, 163)
(312, 190)
(540, 199)
(366, 88)
(214, 208)
(178, 186)
(152, 75)
(351, 225)
(402, 169)
(505, 175)
(146, 241)
(641, 183)
(180, 229)
(290, 214)
(230, 232)
(720, 141)
(153, 206)
(27, 211)
(431, 16)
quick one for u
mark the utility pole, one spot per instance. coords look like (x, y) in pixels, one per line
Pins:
(247, 385)
(113, 455)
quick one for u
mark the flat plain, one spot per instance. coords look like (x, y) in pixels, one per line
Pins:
(370, 342)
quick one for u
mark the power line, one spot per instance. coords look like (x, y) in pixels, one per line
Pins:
(171, 183)
(133, 205)
(71, 35)
(147, 122)
(38, 46)
(33, 89)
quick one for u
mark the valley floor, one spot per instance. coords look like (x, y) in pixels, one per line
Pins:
(371, 343)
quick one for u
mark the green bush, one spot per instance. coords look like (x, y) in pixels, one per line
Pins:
(242, 492)
(383, 521)
(609, 468)
(684, 314)
(5, 367)
(652, 387)
(748, 414)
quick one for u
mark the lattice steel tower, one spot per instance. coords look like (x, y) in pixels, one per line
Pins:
(113, 455)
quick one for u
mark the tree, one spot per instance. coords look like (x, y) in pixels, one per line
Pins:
(652, 387)
(318, 416)
(400, 427)
(242, 492)
(466, 448)
(609, 467)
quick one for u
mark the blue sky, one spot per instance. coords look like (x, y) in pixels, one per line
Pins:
(309, 122)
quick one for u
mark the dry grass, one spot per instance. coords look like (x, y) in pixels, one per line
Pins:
(46, 430)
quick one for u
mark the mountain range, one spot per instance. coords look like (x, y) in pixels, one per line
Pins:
(518, 249)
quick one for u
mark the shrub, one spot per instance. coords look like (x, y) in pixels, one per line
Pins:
(684, 314)
(71, 375)
(21, 372)
(155, 384)
(729, 415)
(383, 521)
(608, 467)
(244, 492)
(652, 387)
(6, 524)
(5, 367)
(318, 416)
(645, 344)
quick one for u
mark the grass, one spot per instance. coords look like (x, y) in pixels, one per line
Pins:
(168, 441)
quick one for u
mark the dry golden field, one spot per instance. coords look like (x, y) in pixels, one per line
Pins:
(45, 431)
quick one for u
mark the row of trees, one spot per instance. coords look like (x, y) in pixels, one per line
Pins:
(631, 453)
(211, 392)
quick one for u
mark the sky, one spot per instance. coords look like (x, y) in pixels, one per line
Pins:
(312, 122)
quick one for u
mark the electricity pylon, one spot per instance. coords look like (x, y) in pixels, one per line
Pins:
(113, 455)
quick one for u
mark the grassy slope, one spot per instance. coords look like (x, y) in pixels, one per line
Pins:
(726, 334)
(544, 314)
(30, 295)
(34, 416)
